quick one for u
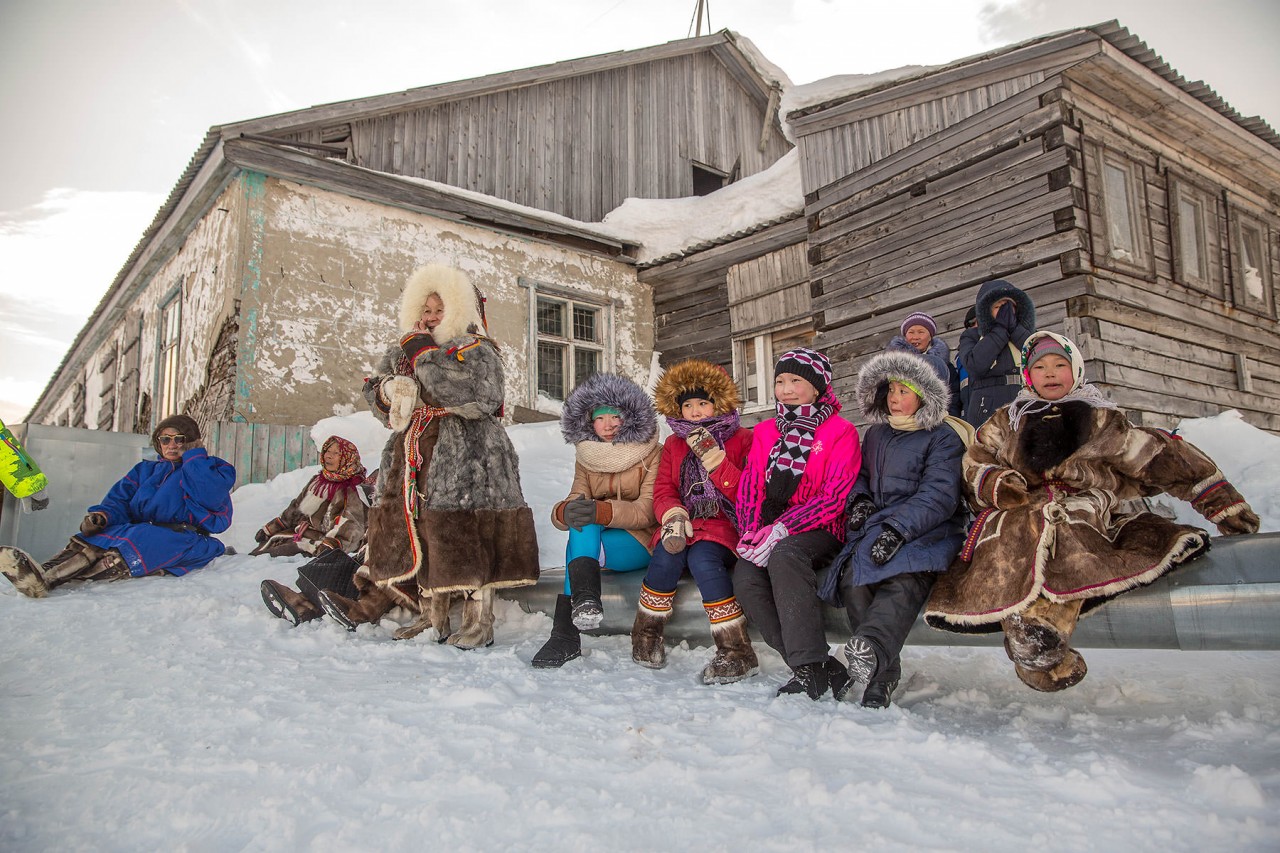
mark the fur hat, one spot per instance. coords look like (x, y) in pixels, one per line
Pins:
(639, 421)
(691, 375)
(872, 386)
(992, 292)
(184, 425)
(808, 364)
(1040, 344)
(919, 318)
(462, 302)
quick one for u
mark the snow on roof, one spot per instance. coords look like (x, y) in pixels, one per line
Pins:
(843, 86)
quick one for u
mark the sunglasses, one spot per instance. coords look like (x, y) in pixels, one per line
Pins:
(172, 439)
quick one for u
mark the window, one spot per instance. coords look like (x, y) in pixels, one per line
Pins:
(1196, 242)
(167, 361)
(1251, 283)
(1119, 213)
(707, 179)
(570, 340)
(753, 360)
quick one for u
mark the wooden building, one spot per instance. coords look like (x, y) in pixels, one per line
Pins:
(1138, 210)
(267, 286)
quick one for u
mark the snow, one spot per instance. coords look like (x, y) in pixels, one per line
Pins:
(175, 713)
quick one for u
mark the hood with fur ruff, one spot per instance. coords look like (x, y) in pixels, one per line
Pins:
(460, 298)
(873, 384)
(639, 421)
(992, 292)
(696, 373)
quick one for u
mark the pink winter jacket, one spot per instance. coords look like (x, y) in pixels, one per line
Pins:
(829, 474)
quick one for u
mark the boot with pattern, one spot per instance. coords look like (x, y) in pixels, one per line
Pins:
(652, 613)
(371, 606)
(735, 659)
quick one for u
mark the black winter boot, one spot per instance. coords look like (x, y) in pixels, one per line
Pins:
(565, 643)
(808, 678)
(878, 694)
(584, 582)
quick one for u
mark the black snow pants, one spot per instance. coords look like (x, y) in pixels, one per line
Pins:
(781, 599)
(883, 613)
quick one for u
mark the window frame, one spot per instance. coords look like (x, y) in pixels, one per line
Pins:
(572, 299)
(760, 342)
(1105, 252)
(1238, 220)
(1212, 281)
(168, 356)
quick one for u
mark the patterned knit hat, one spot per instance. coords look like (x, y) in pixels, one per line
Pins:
(1040, 344)
(919, 318)
(808, 364)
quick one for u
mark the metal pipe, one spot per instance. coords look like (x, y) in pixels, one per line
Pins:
(1227, 599)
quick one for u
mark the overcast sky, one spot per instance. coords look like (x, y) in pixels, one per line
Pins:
(103, 103)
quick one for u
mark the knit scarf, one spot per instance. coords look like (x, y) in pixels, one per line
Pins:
(1029, 403)
(702, 499)
(904, 423)
(350, 473)
(790, 455)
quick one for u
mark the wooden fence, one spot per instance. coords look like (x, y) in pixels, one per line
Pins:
(261, 451)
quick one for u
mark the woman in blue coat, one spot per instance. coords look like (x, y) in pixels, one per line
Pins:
(905, 516)
(159, 517)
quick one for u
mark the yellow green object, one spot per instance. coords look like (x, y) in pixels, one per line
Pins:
(18, 471)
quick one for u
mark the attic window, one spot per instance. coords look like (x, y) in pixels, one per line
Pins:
(707, 179)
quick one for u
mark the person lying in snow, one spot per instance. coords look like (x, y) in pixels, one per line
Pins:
(158, 519)
(693, 497)
(609, 509)
(905, 517)
(1047, 475)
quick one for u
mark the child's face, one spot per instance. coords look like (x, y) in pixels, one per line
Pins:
(432, 314)
(331, 458)
(1051, 377)
(902, 400)
(919, 337)
(695, 409)
(794, 390)
(607, 426)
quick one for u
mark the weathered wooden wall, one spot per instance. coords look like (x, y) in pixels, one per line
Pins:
(261, 451)
(578, 146)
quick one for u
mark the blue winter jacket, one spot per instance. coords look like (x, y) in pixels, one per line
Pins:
(913, 478)
(195, 491)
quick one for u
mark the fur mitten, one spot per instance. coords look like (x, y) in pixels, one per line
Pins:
(1222, 503)
(401, 394)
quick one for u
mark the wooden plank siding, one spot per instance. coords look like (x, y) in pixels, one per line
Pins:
(261, 451)
(765, 290)
(578, 146)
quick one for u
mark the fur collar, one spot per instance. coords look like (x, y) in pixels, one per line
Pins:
(995, 290)
(1049, 437)
(460, 298)
(873, 383)
(639, 421)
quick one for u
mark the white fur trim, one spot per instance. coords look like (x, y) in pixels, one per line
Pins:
(461, 311)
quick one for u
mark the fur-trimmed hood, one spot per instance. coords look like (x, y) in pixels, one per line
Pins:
(873, 383)
(639, 421)
(993, 291)
(938, 354)
(461, 302)
(696, 373)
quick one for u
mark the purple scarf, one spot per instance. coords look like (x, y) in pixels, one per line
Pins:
(702, 499)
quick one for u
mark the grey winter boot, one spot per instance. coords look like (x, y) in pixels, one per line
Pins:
(584, 583)
(477, 621)
(735, 659)
(565, 642)
(654, 610)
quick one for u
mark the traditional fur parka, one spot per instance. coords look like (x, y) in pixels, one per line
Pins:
(621, 473)
(910, 473)
(450, 512)
(667, 498)
(329, 513)
(1047, 480)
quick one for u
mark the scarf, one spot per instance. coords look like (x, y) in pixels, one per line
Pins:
(350, 473)
(904, 423)
(1029, 403)
(790, 455)
(696, 492)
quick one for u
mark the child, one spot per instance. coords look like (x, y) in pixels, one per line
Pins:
(329, 513)
(990, 352)
(450, 517)
(1047, 475)
(694, 499)
(905, 517)
(791, 498)
(609, 510)
(919, 334)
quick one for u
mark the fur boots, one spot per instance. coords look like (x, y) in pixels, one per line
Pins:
(584, 583)
(654, 610)
(735, 659)
(477, 620)
(1037, 640)
(78, 561)
(288, 604)
(371, 606)
(565, 642)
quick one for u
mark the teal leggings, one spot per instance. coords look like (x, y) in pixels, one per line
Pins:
(616, 549)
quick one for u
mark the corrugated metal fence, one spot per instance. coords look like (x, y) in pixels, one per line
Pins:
(261, 451)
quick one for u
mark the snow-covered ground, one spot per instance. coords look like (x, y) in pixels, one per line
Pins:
(176, 714)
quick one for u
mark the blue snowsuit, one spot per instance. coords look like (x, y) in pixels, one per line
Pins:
(156, 495)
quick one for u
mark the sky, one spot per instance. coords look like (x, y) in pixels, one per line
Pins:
(105, 103)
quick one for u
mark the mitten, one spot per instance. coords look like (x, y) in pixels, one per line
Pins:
(1222, 503)
(676, 530)
(401, 394)
(1008, 490)
(94, 522)
(885, 546)
(580, 512)
(706, 448)
(860, 509)
(415, 344)
(1006, 316)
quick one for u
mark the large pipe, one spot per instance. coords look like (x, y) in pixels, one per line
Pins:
(1227, 599)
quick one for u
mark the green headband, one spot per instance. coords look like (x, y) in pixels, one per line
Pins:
(605, 410)
(909, 384)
